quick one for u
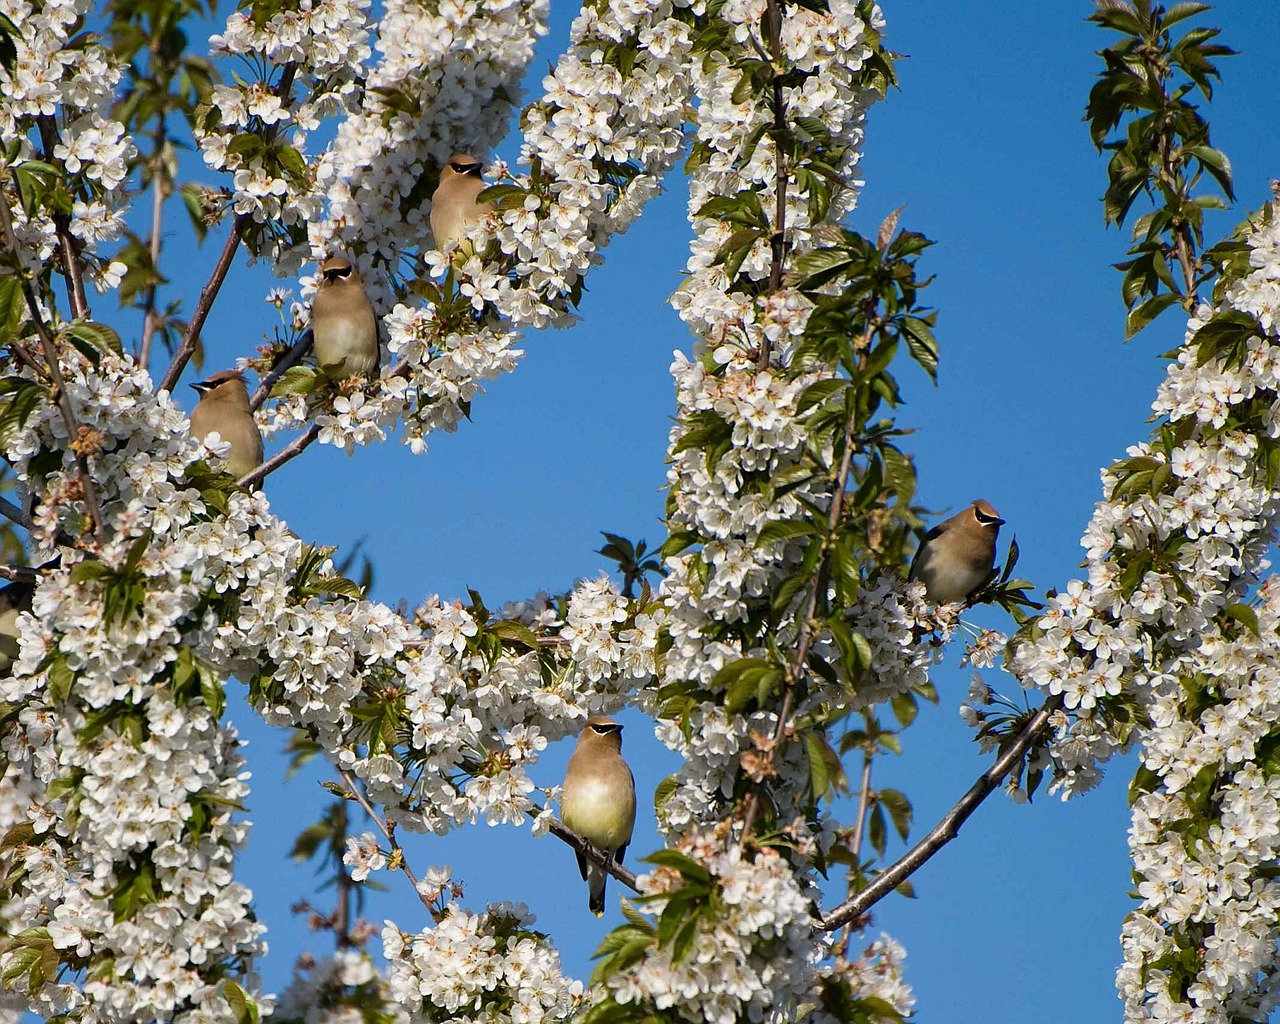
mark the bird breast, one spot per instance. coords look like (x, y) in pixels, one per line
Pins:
(601, 810)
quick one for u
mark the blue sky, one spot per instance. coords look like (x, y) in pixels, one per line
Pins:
(984, 146)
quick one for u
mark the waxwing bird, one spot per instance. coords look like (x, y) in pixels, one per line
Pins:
(957, 556)
(224, 407)
(598, 801)
(454, 209)
(14, 599)
(343, 325)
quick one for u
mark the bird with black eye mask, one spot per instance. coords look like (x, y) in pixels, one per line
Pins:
(343, 325)
(956, 557)
(598, 801)
(454, 210)
(224, 408)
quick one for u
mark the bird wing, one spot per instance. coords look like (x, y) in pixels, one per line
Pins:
(582, 863)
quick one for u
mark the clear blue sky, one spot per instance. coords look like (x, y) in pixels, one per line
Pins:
(1018, 920)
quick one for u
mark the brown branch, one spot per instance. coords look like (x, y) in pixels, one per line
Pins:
(591, 853)
(778, 240)
(949, 827)
(191, 337)
(72, 268)
(50, 350)
(150, 318)
(300, 348)
(386, 828)
(11, 511)
(209, 292)
(290, 451)
(19, 573)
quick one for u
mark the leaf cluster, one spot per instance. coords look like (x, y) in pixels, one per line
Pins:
(1140, 110)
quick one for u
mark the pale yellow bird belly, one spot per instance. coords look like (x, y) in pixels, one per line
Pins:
(949, 580)
(595, 810)
(346, 345)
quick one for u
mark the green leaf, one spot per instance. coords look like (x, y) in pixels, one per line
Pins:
(687, 866)
(13, 307)
(193, 201)
(1243, 614)
(786, 529)
(1140, 316)
(297, 380)
(100, 336)
(19, 398)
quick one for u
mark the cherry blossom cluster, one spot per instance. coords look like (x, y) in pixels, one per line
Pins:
(755, 957)
(1176, 643)
(343, 988)
(50, 76)
(1209, 886)
(1211, 523)
(254, 130)
(489, 966)
(726, 502)
(598, 143)
(213, 593)
(446, 81)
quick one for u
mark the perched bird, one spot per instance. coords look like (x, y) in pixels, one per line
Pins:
(453, 205)
(343, 324)
(224, 407)
(598, 801)
(14, 599)
(957, 555)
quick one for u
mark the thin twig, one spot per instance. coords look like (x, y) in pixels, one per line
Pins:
(300, 348)
(855, 848)
(150, 318)
(778, 241)
(50, 349)
(72, 269)
(209, 292)
(597, 857)
(949, 827)
(290, 451)
(358, 795)
(191, 337)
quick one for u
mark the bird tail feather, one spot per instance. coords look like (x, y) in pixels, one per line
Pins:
(596, 879)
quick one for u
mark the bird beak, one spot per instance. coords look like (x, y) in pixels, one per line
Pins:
(199, 388)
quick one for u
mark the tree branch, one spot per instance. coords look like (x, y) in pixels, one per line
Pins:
(949, 827)
(290, 451)
(72, 268)
(599, 859)
(150, 318)
(210, 291)
(806, 637)
(50, 350)
(300, 348)
(386, 828)
(778, 240)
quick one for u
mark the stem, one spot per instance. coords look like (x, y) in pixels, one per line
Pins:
(290, 451)
(357, 794)
(72, 269)
(778, 241)
(50, 351)
(864, 801)
(149, 317)
(949, 827)
(210, 291)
